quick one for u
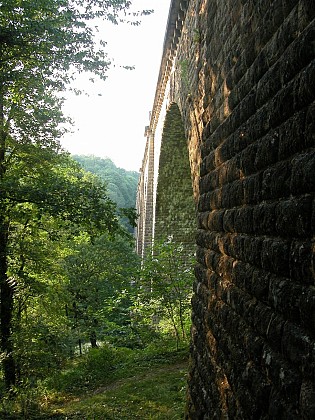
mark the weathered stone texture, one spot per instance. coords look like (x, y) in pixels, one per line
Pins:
(243, 77)
(175, 207)
(253, 349)
(145, 202)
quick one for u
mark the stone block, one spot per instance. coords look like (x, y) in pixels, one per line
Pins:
(297, 347)
(275, 256)
(215, 220)
(259, 285)
(306, 305)
(264, 218)
(247, 160)
(269, 84)
(215, 199)
(310, 127)
(291, 135)
(305, 86)
(283, 104)
(303, 173)
(202, 219)
(283, 377)
(204, 202)
(267, 150)
(232, 195)
(246, 135)
(301, 262)
(262, 319)
(292, 217)
(200, 255)
(208, 164)
(212, 260)
(252, 189)
(209, 182)
(253, 249)
(243, 220)
(307, 399)
(228, 221)
(283, 297)
(276, 181)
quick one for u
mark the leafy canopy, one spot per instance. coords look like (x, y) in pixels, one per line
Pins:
(52, 37)
(42, 44)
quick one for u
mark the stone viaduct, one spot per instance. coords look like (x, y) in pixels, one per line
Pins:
(229, 168)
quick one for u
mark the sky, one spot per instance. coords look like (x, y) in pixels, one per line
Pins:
(110, 121)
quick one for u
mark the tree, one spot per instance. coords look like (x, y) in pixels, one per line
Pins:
(166, 280)
(42, 44)
(52, 188)
(41, 335)
(121, 184)
(100, 278)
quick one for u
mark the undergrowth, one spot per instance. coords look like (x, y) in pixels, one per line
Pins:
(108, 383)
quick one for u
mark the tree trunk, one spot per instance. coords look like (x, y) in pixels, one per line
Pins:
(6, 309)
(93, 340)
(6, 289)
(170, 311)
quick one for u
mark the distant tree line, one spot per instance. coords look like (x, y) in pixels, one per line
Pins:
(121, 184)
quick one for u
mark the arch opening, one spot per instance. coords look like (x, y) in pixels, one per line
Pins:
(175, 209)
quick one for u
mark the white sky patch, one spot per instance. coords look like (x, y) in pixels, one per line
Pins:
(110, 122)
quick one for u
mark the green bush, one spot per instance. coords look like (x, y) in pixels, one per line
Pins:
(100, 362)
(135, 336)
(89, 370)
(24, 401)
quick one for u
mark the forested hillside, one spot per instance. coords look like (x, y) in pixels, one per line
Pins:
(121, 184)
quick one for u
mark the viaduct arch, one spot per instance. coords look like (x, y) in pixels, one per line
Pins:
(234, 111)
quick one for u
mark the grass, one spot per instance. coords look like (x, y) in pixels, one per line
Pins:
(109, 383)
(139, 384)
(152, 394)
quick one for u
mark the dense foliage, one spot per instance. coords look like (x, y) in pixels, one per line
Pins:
(69, 277)
(43, 43)
(166, 287)
(108, 382)
(121, 184)
(100, 282)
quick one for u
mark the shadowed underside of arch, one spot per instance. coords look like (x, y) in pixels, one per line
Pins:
(175, 207)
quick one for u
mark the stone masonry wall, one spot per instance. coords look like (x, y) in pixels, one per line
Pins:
(245, 76)
(145, 201)
(175, 205)
(242, 73)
